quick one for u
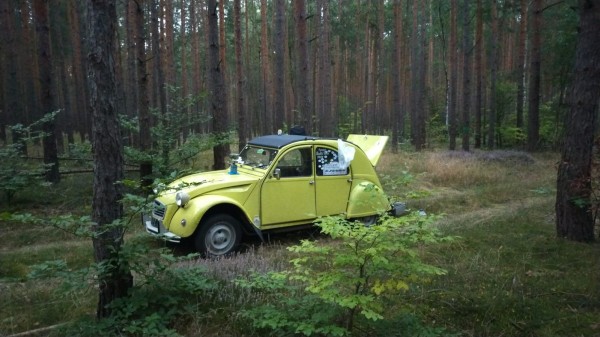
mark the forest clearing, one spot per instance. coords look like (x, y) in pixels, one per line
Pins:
(491, 110)
(507, 273)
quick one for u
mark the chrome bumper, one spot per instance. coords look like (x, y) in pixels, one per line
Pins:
(156, 228)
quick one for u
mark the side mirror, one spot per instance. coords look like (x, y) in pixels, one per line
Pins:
(277, 173)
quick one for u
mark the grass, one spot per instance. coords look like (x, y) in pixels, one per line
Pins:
(508, 275)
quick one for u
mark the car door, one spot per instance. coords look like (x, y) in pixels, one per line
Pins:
(288, 196)
(332, 182)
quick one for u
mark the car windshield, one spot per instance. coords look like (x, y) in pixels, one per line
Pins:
(256, 156)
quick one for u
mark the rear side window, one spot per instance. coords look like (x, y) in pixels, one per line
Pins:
(328, 163)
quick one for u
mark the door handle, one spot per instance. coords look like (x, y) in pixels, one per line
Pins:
(311, 182)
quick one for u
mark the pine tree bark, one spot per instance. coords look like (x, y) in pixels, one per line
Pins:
(47, 96)
(279, 65)
(240, 76)
(217, 89)
(574, 215)
(453, 65)
(265, 120)
(491, 141)
(467, 49)
(116, 279)
(533, 113)
(478, 75)
(327, 123)
(397, 114)
(304, 98)
(520, 73)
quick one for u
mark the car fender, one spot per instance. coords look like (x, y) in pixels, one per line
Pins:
(366, 198)
(186, 219)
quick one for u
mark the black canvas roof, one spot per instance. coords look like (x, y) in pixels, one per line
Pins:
(278, 141)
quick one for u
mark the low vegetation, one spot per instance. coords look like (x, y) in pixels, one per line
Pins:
(502, 273)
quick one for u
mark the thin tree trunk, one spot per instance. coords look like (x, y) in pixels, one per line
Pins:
(279, 64)
(520, 75)
(47, 105)
(397, 113)
(533, 113)
(478, 74)
(467, 48)
(493, 77)
(217, 89)
(241, 82)
(114, 281)
(304, 100)
(265, 120)
(453, 65)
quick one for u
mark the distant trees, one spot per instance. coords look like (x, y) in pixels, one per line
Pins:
(331, 66)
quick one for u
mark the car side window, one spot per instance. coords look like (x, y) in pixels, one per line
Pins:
(328, 163)
(296, 163)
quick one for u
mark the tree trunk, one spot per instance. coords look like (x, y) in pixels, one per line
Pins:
(533, 126)
(493, 77)
(304, 111)
(241, 82)
(279, 64)
(574, 215)
(327, 123)
(521, 61)
(265, 120)
(478, 74)
(143, 104)
(116, 279)
(397, 113)
(466, 113)
(217, 89)
(453, 65)
(47, 105)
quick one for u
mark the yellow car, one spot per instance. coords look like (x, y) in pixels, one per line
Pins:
(277, 182)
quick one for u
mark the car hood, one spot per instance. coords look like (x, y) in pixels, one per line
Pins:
(372, 145)
(200, 183)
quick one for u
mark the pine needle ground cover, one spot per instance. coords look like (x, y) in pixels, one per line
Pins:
(506, 272)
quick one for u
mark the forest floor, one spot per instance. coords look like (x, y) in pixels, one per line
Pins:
(508, 274)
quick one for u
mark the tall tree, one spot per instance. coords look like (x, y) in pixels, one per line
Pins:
(304, 112)
(217, 89)
(47, 105)
(279, 64)
(453, 65)
(240, 76)
(115, 279)
(397, 116)
(574, 218)
(520, 73)
(533, 120)
(265, 119)
(327, 121)
(143, 103)
(478, 74)
(467, 49)
(493, 59)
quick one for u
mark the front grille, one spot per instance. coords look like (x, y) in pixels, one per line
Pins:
(158, 210)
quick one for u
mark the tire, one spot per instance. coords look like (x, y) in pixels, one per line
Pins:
(369, 221)
(218, 235)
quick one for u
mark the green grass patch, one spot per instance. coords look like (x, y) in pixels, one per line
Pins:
(507, 273)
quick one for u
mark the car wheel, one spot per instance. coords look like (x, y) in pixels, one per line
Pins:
(218, 235)
(368, 221)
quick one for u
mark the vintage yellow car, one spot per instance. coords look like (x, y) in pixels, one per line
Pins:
(277, 182)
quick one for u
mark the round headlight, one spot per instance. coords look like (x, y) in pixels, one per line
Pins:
(182, 198)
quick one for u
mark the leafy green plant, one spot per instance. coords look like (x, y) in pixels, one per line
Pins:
(349, 278)
(15, 172)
